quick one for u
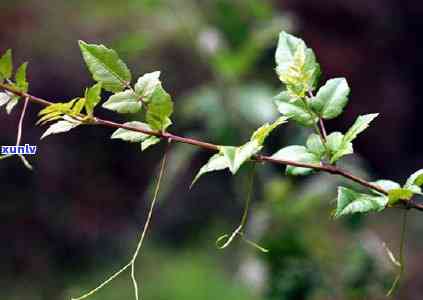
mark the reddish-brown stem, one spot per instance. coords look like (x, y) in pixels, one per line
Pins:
(212, 147)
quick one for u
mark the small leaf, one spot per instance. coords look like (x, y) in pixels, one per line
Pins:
(123, 102)
(337, 146)
(331, 98)
(160, 108)
(395, 195)
(92, 98)
(6, 65)
(294, 109)
(11, 104)
(360, 124)
(350, 202)
(4, 98)
(147, 84)
(296, 64)
(106, 66)
(314, 145)
(216, 163)
(387, 185)
(78, 106)
(261, 133)
(130, 135)
(148, 142)
(20, 78)
(415, 179)
(340, 145)
(297, 154)
(236, 156)
(61, 126)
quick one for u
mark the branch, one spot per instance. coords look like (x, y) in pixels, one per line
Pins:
(212, 147)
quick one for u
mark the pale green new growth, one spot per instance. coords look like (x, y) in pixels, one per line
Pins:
(6, 65)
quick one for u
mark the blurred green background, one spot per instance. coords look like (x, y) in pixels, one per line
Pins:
(76, 219)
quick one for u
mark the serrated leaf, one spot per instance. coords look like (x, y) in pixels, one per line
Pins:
(298, 154)
(4, 98)
(160, 108)
(20, 78)
(350, 202)
(148, 142)
(415, 179)
(123, 102)
(314, 145)
(132, 136)
(360, 124)
(331, 98)
(294, 109)
(6, 65)
(147, 84)
(61, 126)
(216, 163)
(11, 104)
(106, 66)
(398, 194)
(92, 98)
(296, 64)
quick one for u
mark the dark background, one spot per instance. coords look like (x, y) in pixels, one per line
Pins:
(76, 217)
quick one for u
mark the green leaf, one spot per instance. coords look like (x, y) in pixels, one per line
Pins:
(398, 194)
(415, 179)
(387, 185)
(4, 98)
(147, 84)
(78, 106)
(233, 157)
(296, 64)
(340, 145)
(92, 98)
(360, 124)
(160, 108)
(314, 145)
(350, 202)
(236, 156)
(297, 154)
(337, 146)
(20, 78)
(261, 133)
(11, 104)
(216, 163)
(130, 135)
(123, 102)
(148, 142)
(6, 65)
(294, 109)
(331, 98)
(106, 66)
(61, 126)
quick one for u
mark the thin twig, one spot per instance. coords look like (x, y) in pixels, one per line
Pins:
(212, 147)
